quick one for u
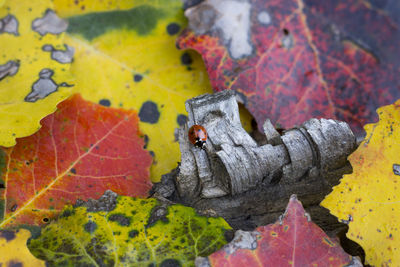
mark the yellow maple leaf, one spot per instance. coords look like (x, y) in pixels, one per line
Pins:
(125, 56)
(369, 198)
(13, 249)
(33, 78)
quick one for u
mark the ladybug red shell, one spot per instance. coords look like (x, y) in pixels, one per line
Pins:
(197, 135)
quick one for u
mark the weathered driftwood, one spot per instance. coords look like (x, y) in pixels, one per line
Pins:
(250, 183)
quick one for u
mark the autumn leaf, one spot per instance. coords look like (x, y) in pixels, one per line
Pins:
(293, 60)
(128, 235)
(294, 240)
(80, 151)
(367, 199)
(34, 66)
(13, 249)
(126, 57)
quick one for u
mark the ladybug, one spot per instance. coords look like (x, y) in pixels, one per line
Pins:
(197, 135)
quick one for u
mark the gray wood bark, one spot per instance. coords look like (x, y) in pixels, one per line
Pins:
(249, 183)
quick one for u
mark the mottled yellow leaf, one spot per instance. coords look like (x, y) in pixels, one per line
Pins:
(129, 234)
(127, 58)
(31, 82)
(13, 249)
(369, 198)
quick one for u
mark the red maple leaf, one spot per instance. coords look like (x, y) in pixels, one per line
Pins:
(299, 59)
(292, 241)
(81, 150)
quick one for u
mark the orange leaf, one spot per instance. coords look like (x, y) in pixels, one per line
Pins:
(80, 151)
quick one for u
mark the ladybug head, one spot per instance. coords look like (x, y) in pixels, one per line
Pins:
(200, 143)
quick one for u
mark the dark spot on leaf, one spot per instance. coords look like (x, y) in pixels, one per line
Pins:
(67, 213)
(146, 141)
(14, 264)
(8, 235)
(105, 102)
(170, 263)
(181, 119)
(120, 219)
(152, 153)
(73, 170)
(149, 112)
(46, 220)
(173, 28)
(151, 265)
(396, 169)
(14, 207)
(2, 186)
(137, 77)
(186, 59)
(133, 233)
(90, 227)
(229, 234)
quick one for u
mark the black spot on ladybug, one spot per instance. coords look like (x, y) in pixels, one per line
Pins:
(149, 112)
(173, 28)
(7, 234)
(146, 141)
(186, 59)
(105, 102)
(285, 31)
(73, 170)
(90, 227)
(120, 219)
(396, 169)
(170, 263)
(133, 233)
(181, 119)
(137, 77)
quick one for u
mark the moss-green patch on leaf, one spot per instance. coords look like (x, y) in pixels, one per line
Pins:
(129, 236)
(141, 19)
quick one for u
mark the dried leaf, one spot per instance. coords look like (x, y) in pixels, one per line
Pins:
(80, 151)
(367, 199)
(34, 74)
(292, 241)
(126, 57)
(13, 249)
(296, 59)
(128, 235)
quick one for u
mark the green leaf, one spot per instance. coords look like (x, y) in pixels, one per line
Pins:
(129, 235)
